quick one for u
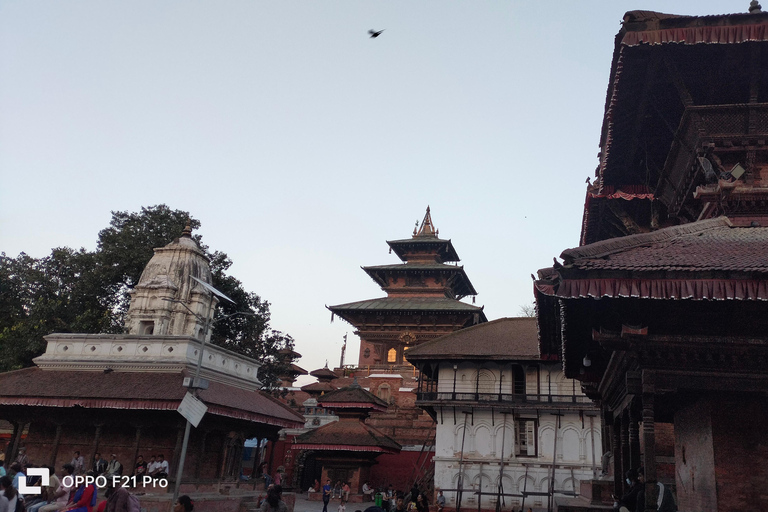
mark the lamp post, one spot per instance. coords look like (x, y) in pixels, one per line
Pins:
(207, 322)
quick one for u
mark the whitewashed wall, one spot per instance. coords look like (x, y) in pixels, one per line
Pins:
(486, 432)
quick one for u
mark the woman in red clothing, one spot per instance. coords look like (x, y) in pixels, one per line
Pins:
(84, 499)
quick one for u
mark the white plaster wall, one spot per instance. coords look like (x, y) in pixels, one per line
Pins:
(485, 432)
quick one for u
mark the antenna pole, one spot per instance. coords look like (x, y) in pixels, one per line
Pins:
(343, 351)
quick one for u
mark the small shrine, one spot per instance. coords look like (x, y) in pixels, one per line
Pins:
(346, 449)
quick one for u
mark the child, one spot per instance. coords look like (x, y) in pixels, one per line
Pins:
(343, 505)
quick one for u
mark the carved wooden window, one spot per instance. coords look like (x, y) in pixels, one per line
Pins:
(392, 355)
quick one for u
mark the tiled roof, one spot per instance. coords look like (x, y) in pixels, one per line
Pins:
(436, 304)
(502, 339)
(711, 245)
(324, 373)
(416, 266)
(347, 435)
(353, 395)
(459, 283)
(136, 390)
(323, 387)
(445, 247)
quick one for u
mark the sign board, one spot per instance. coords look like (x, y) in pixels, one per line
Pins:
(192, 409)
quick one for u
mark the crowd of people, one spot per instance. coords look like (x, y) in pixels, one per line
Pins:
(74, 495)
(392, 500)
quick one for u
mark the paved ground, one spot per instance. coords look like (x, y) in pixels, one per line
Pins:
(304, 505)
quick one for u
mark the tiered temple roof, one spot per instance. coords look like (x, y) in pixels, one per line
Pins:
(423, 297)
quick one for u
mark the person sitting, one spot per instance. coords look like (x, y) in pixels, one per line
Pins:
(162, 467)
(367, 492)
(85, 497)
(99, 464)
(440, 501)
(60, 498)
(140, 469)
(114, 468)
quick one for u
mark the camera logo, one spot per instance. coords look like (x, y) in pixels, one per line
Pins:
(45, 480)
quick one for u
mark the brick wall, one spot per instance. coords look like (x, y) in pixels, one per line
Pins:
(741, 452)
(694, 459)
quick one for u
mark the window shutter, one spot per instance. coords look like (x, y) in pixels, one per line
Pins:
(530, 440)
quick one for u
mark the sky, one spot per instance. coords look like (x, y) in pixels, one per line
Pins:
(302, 145)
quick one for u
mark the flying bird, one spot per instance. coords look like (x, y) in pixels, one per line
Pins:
(375, 34)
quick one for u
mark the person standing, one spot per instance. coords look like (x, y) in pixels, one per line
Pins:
(22, 459)
(326, 494)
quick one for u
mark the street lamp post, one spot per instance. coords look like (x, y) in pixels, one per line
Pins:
(207, 322)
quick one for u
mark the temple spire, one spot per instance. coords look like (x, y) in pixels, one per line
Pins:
(187, 233)
(427, 228)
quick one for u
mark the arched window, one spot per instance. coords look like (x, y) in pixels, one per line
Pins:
(147, 327)
(392, 355)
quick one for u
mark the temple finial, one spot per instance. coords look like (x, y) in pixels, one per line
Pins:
(427, 228)
(187, 233)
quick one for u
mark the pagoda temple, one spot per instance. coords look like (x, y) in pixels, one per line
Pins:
(423, 299)
(661, 312)
(349, 447)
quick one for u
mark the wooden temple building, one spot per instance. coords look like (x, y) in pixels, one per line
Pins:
(422, 302)
(662, 311)
(423, 299)
(347, 449)
(119, 393)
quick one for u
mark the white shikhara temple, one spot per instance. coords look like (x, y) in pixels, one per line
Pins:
(510, 426)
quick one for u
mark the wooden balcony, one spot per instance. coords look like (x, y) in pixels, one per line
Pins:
(503, 400)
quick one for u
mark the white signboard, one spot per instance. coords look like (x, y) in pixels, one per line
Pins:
(192, 409)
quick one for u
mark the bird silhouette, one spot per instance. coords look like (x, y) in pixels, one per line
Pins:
(375, 34)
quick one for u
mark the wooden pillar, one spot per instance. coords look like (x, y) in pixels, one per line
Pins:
(618, 478)
(95, 445)
(634, 437)
(55, 449)
(136, 444)
(624, 425)
(200, 454)
(649, 440)
(13, 446)
(177, 453)
(18, 433)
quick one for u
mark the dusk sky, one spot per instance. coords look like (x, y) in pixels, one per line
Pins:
(302, 145)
